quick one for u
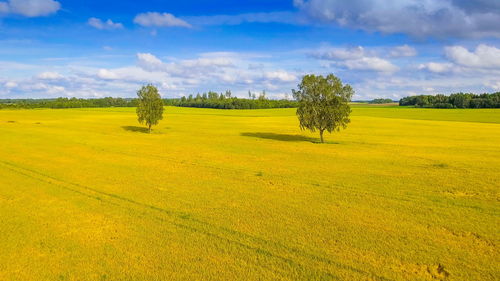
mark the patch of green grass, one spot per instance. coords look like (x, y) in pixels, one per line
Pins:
(402, 194)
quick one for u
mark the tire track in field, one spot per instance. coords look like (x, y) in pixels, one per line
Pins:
(407, 197)
(182, 220)
(257, 250)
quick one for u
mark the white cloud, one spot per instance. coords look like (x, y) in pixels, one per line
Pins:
(403, 51)
(341, 54)
(49, 76)
(10, 84)
(364, 68)
(483, 56)
(437, 67)
(217, 71)
(371, 63)
(185, 68)
(160, 20)
(280, 75)
(399, 86)
(357, 58)
(30, 8)
(43, 87)
(107, 74)
(104, 25)
(483, 61)
(220, 70)
(435, 18)
(149, 62)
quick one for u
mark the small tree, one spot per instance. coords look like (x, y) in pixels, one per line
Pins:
(150, 106)
(323, 103)
(262, 96)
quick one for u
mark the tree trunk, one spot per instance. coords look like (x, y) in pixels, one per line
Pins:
(321, 135)
(149, 128)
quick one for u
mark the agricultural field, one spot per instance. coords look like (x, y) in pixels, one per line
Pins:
(402, 194)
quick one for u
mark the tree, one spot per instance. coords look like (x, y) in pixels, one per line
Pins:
(212, 95)
(323, 103)
(262, 96)
(380, 101)
(150, 106)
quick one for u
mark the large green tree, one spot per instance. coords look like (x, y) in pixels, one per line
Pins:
(323, 103)
(149, 106)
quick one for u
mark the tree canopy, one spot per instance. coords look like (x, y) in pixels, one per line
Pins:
(323, 103)
(149, 106)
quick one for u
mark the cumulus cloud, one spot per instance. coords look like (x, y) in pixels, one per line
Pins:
(154, 19)
(409, 84)
(403, 51)
(149, 62)
(356, 58)
(30, 8)
(365, 68)
(483, 56)
(107, 74)
(371, 63)
(484, 60)
(10, 84)
(48, 89)
(220, 69)
(104, 25)
(434, 18)
(280, 75)
(49, 76)
(437, 67)
(341, 54)
(217, 71)
(185, 68)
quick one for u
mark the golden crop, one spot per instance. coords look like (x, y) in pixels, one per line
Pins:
(402, 194)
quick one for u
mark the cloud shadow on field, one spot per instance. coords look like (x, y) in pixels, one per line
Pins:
(136, 129)
(280, 137)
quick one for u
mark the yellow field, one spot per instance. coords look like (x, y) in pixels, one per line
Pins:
(402, 194)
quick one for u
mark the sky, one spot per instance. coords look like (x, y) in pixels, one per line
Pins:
(383, 48)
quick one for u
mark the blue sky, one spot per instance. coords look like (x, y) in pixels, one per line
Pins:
(390, 49)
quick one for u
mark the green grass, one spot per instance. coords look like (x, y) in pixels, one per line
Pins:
(402, 194)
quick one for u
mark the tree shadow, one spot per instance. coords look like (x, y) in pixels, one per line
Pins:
(136, 129)
(280, 137)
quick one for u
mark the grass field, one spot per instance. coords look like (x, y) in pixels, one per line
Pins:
(402, 194)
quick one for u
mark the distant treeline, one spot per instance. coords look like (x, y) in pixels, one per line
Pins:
(381, 101)
(206, 100)
(67, 103)
(226, 101)
(459, 100)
